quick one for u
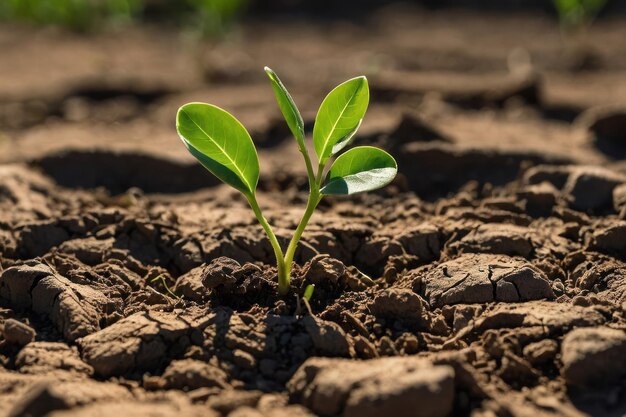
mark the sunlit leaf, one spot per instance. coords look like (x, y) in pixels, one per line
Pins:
(339, 117)
(287, 105)
(220, 143)
(360, 169)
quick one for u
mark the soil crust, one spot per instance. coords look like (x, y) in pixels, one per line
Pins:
(489, 279)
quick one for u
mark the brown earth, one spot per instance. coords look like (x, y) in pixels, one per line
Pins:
(488, 280)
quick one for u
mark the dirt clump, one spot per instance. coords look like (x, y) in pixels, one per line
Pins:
(403, 386)
(592, 355)
(18, 333)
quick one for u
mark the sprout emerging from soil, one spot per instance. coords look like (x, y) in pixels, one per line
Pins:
(224, 147)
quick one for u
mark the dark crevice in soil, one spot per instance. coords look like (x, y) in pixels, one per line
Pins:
(434, 171)
(117, 172)
(83, 101)
(610, 147)
(561, 112)
(96, 93)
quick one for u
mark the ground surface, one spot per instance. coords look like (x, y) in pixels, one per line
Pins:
(488, 280)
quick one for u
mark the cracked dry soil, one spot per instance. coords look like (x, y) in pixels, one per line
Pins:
(485, 281)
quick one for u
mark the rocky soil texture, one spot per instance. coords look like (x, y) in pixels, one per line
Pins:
(488, 280)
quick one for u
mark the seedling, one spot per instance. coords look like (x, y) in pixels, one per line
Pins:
(576, 15)
(224, 147)
(308, 292)
(161, 278)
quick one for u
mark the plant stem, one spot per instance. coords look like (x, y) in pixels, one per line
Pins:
(307, 161)
(284, 261)
(314, 198)
(283, 276)
(320, 172)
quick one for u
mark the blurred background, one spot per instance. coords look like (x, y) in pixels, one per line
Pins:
(461, 90)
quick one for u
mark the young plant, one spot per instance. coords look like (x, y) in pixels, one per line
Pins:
(577, 15)
(224, 147)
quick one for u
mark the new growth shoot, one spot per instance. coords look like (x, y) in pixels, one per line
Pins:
(224, 147)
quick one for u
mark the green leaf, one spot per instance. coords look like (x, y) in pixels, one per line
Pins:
(220, 143)
(339, 117)
(360, 169)
(287, 106)
(308, 292)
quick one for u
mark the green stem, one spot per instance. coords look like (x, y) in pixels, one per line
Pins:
(283, 275)
(314, 198)
(284, 261)
(320, 172)
(307, 161)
